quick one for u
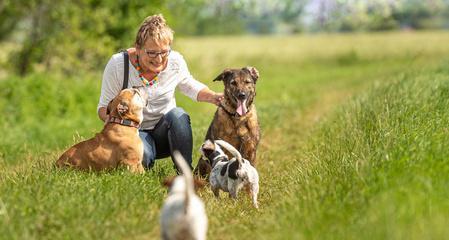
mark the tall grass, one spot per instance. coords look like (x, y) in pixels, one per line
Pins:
(373, 169)
(43, 112)
(378, 168)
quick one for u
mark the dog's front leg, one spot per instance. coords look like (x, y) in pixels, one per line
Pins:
(233, 192)
(216, 192)
(249, 151)
(202, 169)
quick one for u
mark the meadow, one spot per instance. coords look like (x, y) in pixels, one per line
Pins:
(354, 144)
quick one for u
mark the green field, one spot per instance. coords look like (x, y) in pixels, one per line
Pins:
(355, 144)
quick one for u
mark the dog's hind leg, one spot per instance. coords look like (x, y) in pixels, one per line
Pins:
(254, 193)
(233, 192)
(234, 187)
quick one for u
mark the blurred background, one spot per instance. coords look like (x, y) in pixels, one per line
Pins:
(79, 36)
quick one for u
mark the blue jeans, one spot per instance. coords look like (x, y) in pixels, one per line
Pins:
(172, 132)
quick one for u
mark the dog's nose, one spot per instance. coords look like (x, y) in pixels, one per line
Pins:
(241, 95)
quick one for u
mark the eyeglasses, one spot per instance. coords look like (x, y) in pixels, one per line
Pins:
(153, 54)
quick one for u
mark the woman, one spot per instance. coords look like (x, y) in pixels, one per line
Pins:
(155, 65)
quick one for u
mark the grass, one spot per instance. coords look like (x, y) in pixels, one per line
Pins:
(354, 145)
(377, 169)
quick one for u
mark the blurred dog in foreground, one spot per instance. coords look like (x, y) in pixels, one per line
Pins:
(118, 143)
(230, 175)
(183, 215)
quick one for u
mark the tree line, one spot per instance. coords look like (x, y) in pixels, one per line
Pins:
(73, 35)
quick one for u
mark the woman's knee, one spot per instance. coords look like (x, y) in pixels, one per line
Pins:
(177, 116)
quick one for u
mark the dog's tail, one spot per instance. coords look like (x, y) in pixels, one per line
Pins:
(187, 174)
(231, 149)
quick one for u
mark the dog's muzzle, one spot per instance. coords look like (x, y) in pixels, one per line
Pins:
(241, 96)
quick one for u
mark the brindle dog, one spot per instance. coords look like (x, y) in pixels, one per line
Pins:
(235, 120)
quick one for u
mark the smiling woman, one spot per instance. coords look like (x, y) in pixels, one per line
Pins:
(153, 64)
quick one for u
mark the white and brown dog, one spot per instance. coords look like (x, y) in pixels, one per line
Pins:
(230, 175)
(183, 215)
(118, 144)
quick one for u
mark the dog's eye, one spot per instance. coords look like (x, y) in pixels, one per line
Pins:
(248, 81)
(233, 82)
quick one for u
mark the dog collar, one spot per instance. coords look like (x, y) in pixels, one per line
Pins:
(227, 111)
(125, 122)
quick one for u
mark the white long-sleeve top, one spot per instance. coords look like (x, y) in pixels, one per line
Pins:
(161, 96)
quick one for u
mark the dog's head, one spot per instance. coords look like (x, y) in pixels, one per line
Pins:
(240, 87)
(211, 151)
(128, 104)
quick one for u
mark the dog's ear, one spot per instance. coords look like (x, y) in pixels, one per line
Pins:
(208, 145)
(205, 159)
(122, 108)
(227, 72)
(253, 72)
(109, 107)
(208, 148)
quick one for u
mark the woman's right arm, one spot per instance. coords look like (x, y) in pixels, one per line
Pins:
(110, 85)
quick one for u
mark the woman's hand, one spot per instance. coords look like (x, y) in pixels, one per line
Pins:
(216, 98)
(106, 120)
(207, 95)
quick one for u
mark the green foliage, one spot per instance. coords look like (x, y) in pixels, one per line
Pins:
(379, 15)
(41, 107)
(413, 13)
(9, 12)
(74, 36)
(78, 36)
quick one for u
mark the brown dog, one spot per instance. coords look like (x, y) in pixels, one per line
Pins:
(118, 143)
(235, 120)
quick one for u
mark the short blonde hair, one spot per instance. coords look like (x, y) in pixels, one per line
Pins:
(155, 28)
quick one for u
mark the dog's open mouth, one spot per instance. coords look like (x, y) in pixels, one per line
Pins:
(241, 107)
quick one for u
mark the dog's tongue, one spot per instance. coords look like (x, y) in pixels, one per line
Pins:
(241, 107)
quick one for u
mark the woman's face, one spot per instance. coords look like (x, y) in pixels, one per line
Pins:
(154, 56)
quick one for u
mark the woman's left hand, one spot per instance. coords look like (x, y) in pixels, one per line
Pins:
(217, 98)
(207, 95)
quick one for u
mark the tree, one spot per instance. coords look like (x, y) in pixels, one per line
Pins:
(72, 35)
